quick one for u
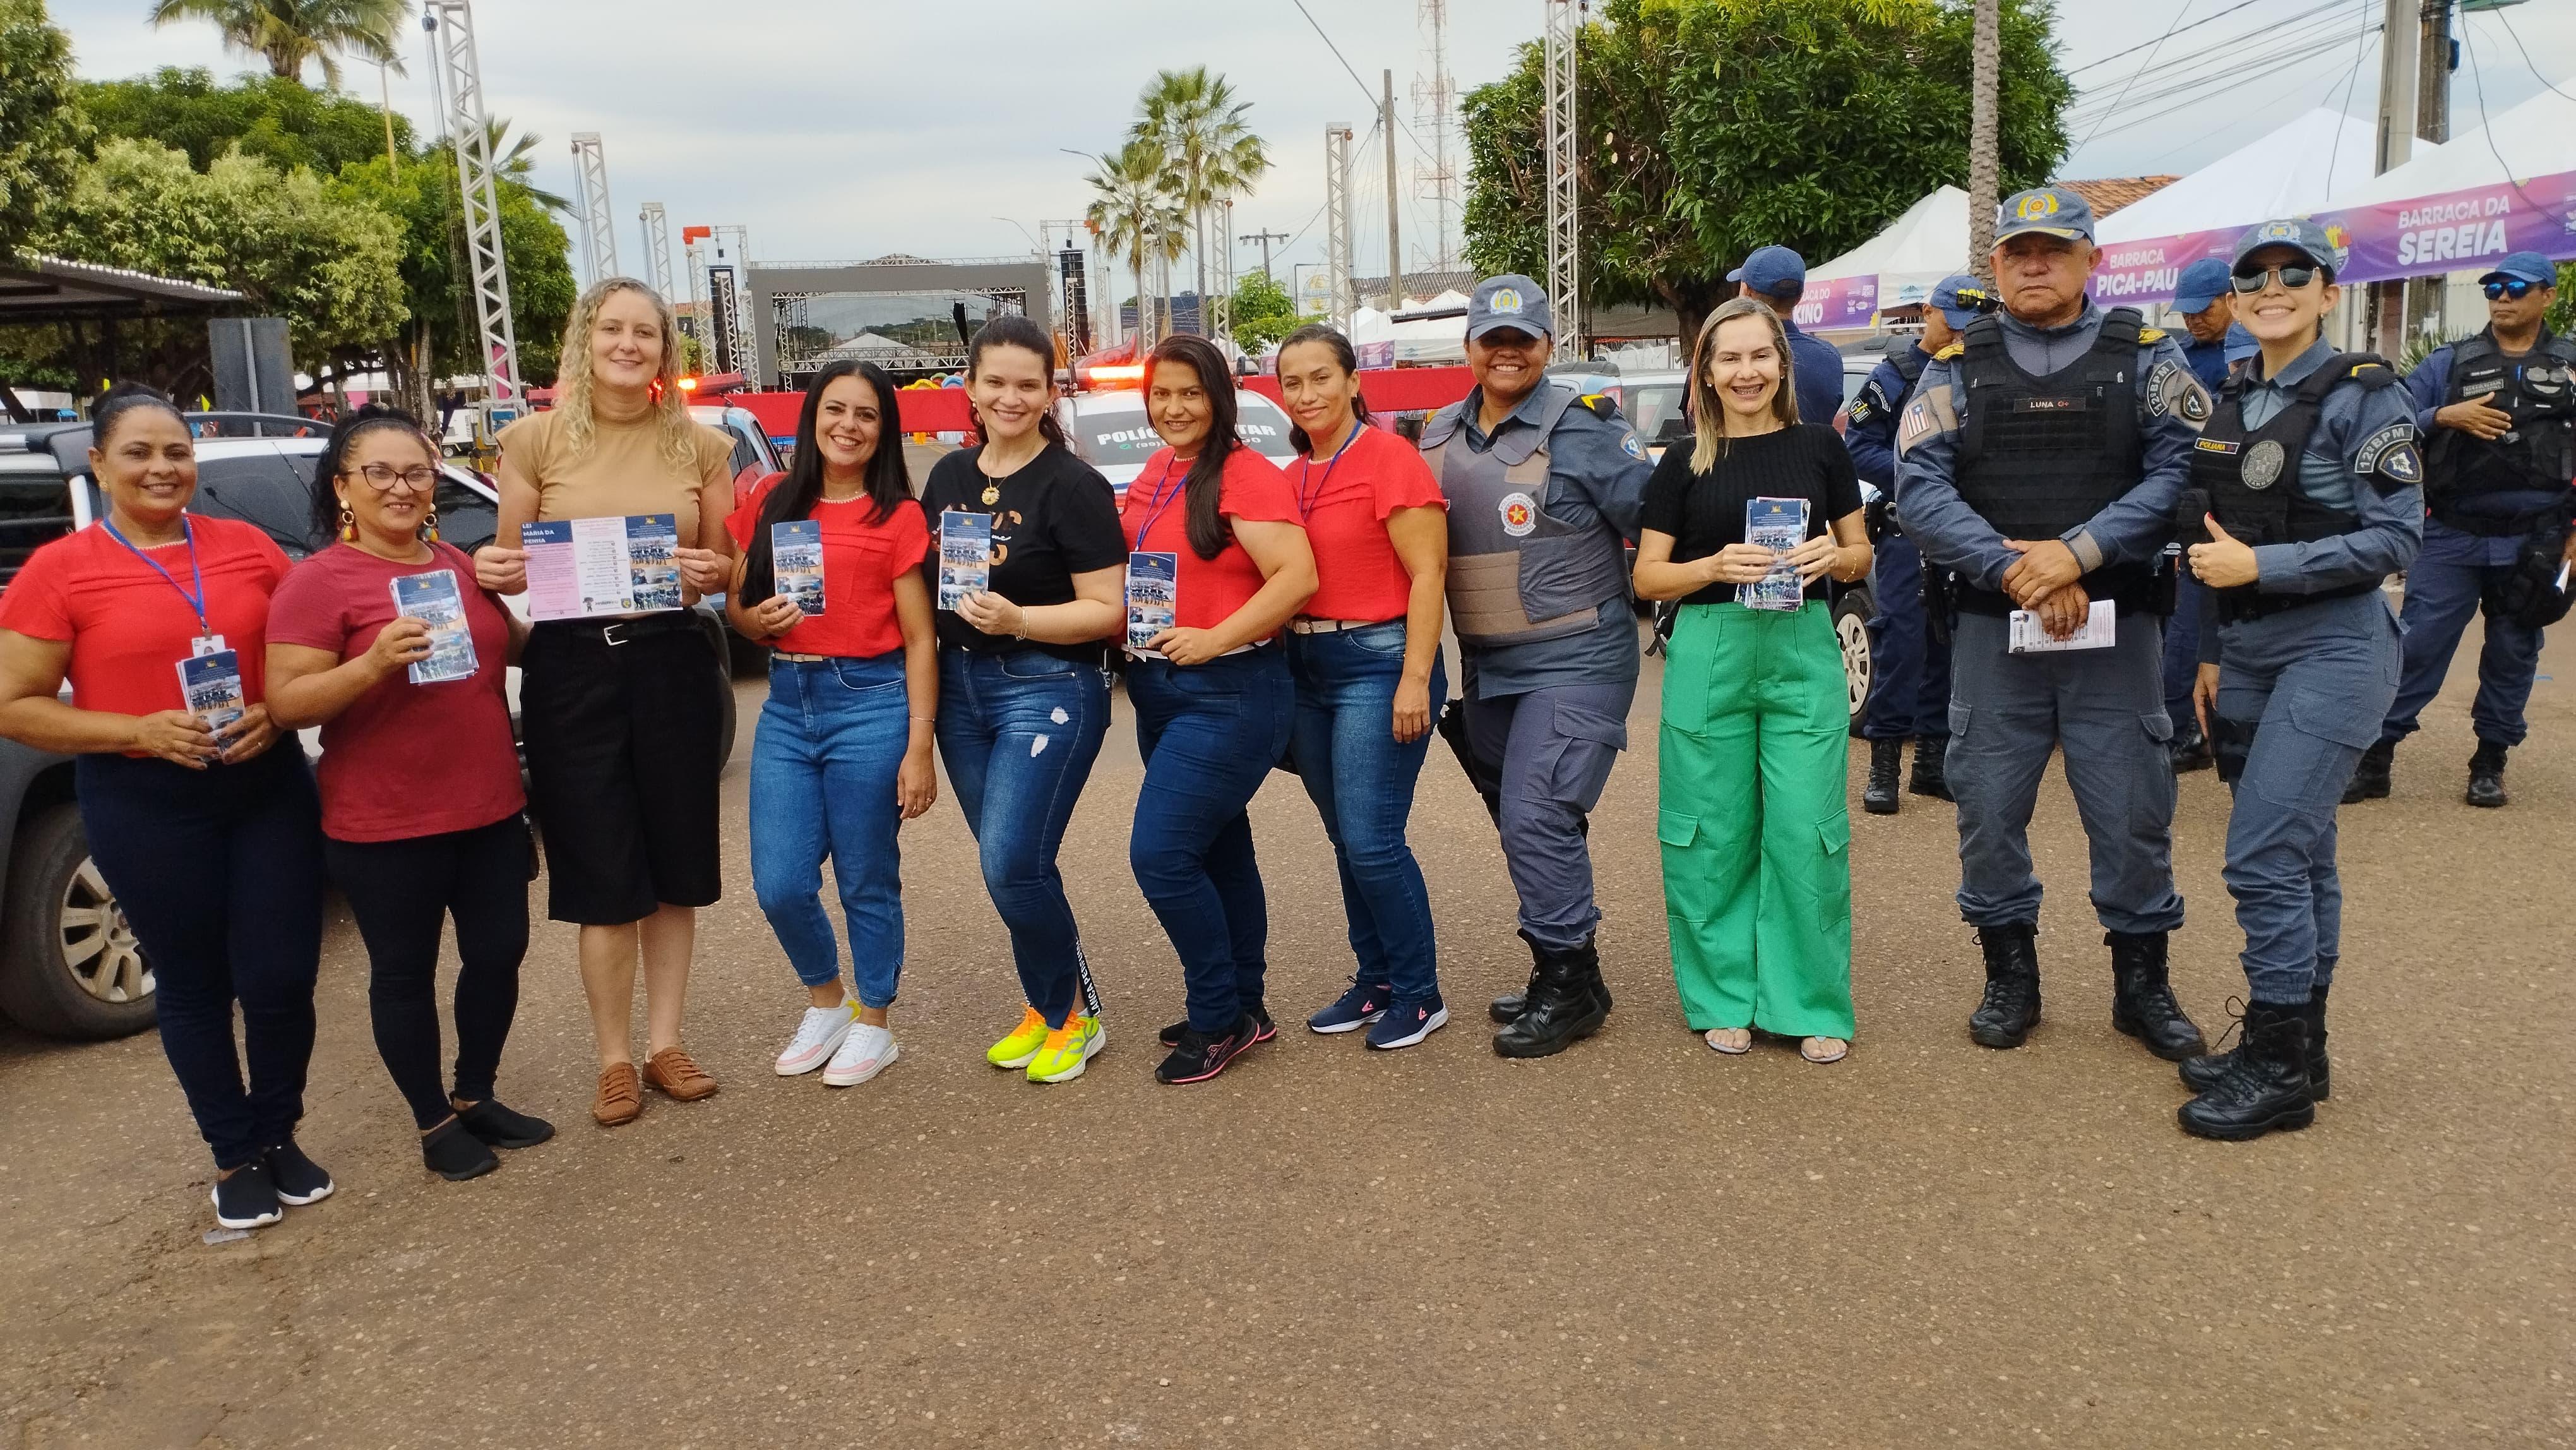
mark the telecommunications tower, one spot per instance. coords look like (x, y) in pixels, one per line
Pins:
(590, 190)
(1435, 104)
(1564, 294)
(458, 76)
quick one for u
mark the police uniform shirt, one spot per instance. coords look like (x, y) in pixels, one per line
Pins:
(2428, 385)
(1816, 375)
(2208, 361)
(1596, 477)
(1870, 431)
(2132, 529)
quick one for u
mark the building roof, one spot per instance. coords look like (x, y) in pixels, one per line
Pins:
(1424, 285)
(50, 289)
(2111, 193)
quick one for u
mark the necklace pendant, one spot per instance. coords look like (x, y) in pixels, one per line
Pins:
(992, 494)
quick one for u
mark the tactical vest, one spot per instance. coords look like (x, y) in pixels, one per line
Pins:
(2041, 455)
(2537, 456)
(1909, 366)
(2252, 478)
(1517, 576)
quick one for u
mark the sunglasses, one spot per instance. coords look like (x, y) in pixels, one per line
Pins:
(2292, 276)
(2514, 288)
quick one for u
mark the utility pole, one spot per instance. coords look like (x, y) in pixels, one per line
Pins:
(2432, 123)
(1337, 221)
(598, 229)
(1564, 227)
(1394, 241)
(2397, 122)
(1265, 241)
(1985, 182)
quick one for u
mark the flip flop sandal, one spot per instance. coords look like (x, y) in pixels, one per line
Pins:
(1735, 1049)
(1807, 1050)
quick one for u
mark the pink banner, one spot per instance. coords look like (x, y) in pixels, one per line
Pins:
(1838, 302)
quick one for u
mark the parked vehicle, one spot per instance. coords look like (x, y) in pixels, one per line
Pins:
(1110, 432)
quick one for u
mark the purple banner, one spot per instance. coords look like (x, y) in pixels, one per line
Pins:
(1838, 302)
(2148, 271)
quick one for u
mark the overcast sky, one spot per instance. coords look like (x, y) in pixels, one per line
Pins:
(852, 128)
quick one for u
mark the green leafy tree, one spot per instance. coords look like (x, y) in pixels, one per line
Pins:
(1711, 127)
(279, 121)
(1136, 217)
(41, 127)
(1263, 313)
(289, 33)
(1210, 154)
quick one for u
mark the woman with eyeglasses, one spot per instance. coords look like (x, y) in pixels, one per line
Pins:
(199, 811)
(2308, 489)
(384, 640)
(1215, 523)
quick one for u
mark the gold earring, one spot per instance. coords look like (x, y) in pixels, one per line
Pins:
(429, 526)
(348, 525)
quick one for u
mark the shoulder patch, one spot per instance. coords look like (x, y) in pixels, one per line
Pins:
(2172, 388)
(1600, 405)
(2390, 459)
(1629, 444)
(2150, 336)
(1952, 353)
(1931, 413)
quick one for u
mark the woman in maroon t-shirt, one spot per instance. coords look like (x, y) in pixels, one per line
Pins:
(386, 642)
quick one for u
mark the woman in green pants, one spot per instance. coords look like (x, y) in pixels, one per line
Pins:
(1754, 824)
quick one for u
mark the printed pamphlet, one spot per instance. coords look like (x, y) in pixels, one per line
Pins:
(1153, 596)
(581, 568)
(965, 555)
(2100, 630)
(434, 600)
(1779, 524)
(211, 684)
(796, 557)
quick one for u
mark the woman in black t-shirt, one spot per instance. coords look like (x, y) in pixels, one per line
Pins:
(1023, 697)
(1741, 528)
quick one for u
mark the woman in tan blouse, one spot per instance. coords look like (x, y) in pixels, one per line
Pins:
(623, 716)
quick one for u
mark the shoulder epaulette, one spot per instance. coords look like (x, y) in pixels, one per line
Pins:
(2150, 336)
(1952, 353)
(2373, 373)
(1600, 405)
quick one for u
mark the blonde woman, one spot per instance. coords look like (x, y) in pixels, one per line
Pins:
(623, 717)
(1755, 829)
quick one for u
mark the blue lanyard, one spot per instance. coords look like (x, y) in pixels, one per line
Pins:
(1161, 499)
(1306, 497)
(196, 601)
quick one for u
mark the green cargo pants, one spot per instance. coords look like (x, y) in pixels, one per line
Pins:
(1755, 825)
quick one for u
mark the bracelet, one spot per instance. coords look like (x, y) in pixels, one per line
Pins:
(1020, 630)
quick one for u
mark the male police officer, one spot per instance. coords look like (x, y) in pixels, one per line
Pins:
(1543, 489)
(2039, 463)
(1778, 276)
(2202, 296)
(1909, 688)
(2499, 418)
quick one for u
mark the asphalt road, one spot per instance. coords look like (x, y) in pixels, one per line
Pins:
(1636, 1243)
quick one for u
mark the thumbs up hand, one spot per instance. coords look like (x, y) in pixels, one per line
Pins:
(2225, 562)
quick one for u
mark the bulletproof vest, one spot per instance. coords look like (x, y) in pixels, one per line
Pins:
(1517, 576)
(2538, 455)
(1909, 366)
(2252, 477)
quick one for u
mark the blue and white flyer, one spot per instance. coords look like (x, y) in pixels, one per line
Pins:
(965, 555)
(434, 600)
(582, 568)
(211, 684)
(1153, 596)
(1778, 524)
(796, 558)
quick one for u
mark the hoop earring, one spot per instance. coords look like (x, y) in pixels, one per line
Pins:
(429, 526)
(348, 525)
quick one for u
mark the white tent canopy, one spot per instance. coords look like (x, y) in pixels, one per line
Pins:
(1441, 339)
(2536, 138)
(2293, 171)
(1912, 254)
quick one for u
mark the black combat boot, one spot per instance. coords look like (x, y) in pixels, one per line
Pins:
(1879, 796)
(2200, 1074)
(1565, 1003)
(1508, 1007)
(2265, 1086)
(2370, 778)
(1930, 777)
(2011, 1005)
(2486, 775)
(2142, 999)
(2190, 749)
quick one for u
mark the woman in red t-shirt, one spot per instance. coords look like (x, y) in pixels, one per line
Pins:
(831, 580)
(1369, 676)
(1219, 563)
(422, 812)
(207, 836)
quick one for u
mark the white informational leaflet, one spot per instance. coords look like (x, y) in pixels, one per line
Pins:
(211, 684)
(2101, 630)
(1779, 524)
(965, 555)
(582, 568)
(434, 600)
(1153, 596)
(796, 558)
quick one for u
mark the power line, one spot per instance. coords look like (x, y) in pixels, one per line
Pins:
(2277, 65)
(2526, 54)
(2220, 58)
(2228, 66)
(2133, 76)
(1376, 102)
(2234, 76)
(2486, 125)
(2170, 32)
(2359, 48)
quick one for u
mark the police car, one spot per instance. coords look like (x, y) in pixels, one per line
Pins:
(1110, 431)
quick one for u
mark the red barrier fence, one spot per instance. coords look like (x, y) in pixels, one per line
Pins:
(944, 410)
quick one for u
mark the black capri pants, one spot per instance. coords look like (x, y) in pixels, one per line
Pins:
(622, 720)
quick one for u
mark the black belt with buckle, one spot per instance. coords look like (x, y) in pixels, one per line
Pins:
(626, 631)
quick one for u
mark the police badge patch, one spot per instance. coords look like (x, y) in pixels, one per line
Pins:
(1519, 513)
(1630, 446)
(2171, 388)
(2391, 458)
(2262, 465)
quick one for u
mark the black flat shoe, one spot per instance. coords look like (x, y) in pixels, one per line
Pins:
(454, 1153)
(502, 1126)
(299, 1179)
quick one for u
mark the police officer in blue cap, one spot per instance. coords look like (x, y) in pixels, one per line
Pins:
(1909, 688)
(2201, 295)
(2499, 418)
(2039, 463)
(1544, 488)
(1778, 276)
(2308, 483)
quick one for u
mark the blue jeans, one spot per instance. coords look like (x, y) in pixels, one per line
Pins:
(1018, 733)
(1361, 781)
(2441, 597)
(822, 784)
(1209, 735)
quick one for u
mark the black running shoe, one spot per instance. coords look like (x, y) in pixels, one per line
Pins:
(1199, 1056)
(502, 1126)
(299, 1179)
(453, 1152)
(247, 1199)
(1262, 1027)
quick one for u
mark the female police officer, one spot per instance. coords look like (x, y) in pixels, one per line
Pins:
(2310, 483)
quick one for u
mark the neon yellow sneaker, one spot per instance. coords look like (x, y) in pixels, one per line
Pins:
(1023, 1043)
(1067, 1049)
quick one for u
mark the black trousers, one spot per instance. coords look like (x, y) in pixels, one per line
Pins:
(402, 893)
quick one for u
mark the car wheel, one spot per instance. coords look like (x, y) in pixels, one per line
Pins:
(1851, 631)
(69, 962)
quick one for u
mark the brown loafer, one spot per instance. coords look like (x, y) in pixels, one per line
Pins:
(672, 1070)
(620, 1097)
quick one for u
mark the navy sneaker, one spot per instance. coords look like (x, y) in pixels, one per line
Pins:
(247, 1199)
(1263, 1029)
(299, 1179)
(1199, 1056)
(1354, 1009)
(1407, 1021)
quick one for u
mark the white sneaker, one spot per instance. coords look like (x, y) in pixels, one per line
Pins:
(865, 1052)
(817, 1037)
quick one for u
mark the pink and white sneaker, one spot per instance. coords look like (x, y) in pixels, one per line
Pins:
(818, 1036)
(866, 1052)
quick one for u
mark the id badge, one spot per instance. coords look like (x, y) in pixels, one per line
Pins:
(1153, 596)
(206, 644)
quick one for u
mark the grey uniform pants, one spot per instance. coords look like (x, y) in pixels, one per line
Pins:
(2106, 706)
(1553, 748)
(2310, 686)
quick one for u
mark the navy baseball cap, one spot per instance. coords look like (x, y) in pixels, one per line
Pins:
(2201, 285)
(2530, 267)
(1772, 271)
(1962, 298)
(1510, 300)
(2049, 210)
(2239, 344)
(2299, 234)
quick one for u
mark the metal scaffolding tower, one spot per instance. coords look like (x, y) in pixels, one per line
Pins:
(1564, 294)
(657, 249)
(450, 24)
(598, 229)
(1435, 109)
(1337, 221)
(1217, 312)
(730, 344)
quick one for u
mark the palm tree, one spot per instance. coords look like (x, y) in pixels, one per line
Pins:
(1135, 215)
(515, 162)
(287, 33)
(1208, 148)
